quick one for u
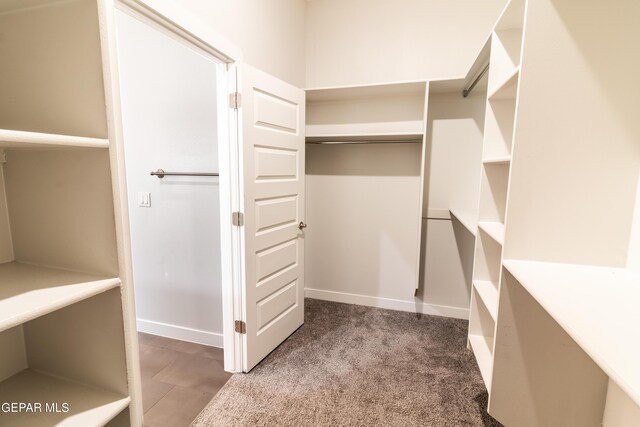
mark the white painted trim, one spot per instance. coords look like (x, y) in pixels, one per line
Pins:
(181, 333)
(177, 21)
(415, 306)
(230, 201)
(111, 77)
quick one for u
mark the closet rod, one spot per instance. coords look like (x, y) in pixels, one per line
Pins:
(468, 90)
(161, 174)
(390, 141)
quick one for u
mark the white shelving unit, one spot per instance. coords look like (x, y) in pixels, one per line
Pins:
(66, 334)
(556, 279)
(504, 75)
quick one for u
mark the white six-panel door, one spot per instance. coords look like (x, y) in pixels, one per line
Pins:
(273, 117)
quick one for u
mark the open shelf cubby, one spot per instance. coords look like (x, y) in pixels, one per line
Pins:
(493, 193)
(498, 134)
(376, 113)
(487, 258)
(488, 293)
(74, 355)
(52, 69)
(58, 214)
(506, 45)
(481, 336)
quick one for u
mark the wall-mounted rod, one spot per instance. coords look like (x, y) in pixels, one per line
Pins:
(473, 84)
(380, 141)
(161, 174)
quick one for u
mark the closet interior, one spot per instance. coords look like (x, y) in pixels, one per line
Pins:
(63, 318)
(363, 171)
(392, 181)
(517, 207)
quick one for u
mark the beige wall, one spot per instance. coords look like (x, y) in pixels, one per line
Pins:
(372, 41)
(270, 33)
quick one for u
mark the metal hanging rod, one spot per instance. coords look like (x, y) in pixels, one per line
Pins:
(161, 174)
(381, 141)
(473, 84)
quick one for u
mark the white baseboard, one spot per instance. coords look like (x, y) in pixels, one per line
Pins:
(388, 303)
(181, 333)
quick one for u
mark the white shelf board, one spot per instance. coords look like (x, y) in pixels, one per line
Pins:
(411, 130)
(508, 88)
(495, 230)
(597, 306)
(467, 218)
(482, 351)
(502, 160)
(30, 291)
(87, 406)
(343, 93)
(20, 139)
(488, 293)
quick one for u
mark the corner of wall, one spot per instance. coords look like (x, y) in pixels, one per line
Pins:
(6, 242)
(633, 253)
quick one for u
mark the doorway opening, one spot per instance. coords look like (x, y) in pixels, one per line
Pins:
(175, 123)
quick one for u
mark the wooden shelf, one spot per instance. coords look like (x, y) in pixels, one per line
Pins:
(488, 293)
(30, 291)
(503, 160)
(495, 230)
(508, 88)
(482, 351)
(467, 219)
(87, 406)
(597, 307)
(19, 139)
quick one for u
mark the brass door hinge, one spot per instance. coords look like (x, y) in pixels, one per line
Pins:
(241, 327)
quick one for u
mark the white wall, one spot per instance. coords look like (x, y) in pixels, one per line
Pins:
(452, 182)
(269, 33)
(6, 246)
(364, 41)
(361, 207)
(169, 117)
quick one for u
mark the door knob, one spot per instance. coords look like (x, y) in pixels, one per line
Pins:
(302, 225)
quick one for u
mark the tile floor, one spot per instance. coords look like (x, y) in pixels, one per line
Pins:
(178, 379)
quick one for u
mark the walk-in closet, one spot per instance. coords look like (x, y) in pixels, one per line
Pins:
(319, 212)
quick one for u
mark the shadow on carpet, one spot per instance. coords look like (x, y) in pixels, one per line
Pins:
(351, 365)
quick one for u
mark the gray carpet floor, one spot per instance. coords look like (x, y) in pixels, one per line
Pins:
(351, 365)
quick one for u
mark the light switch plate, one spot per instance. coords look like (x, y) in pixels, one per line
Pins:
(144, 199)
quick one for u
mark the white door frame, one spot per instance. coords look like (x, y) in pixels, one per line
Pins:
(171, 19)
